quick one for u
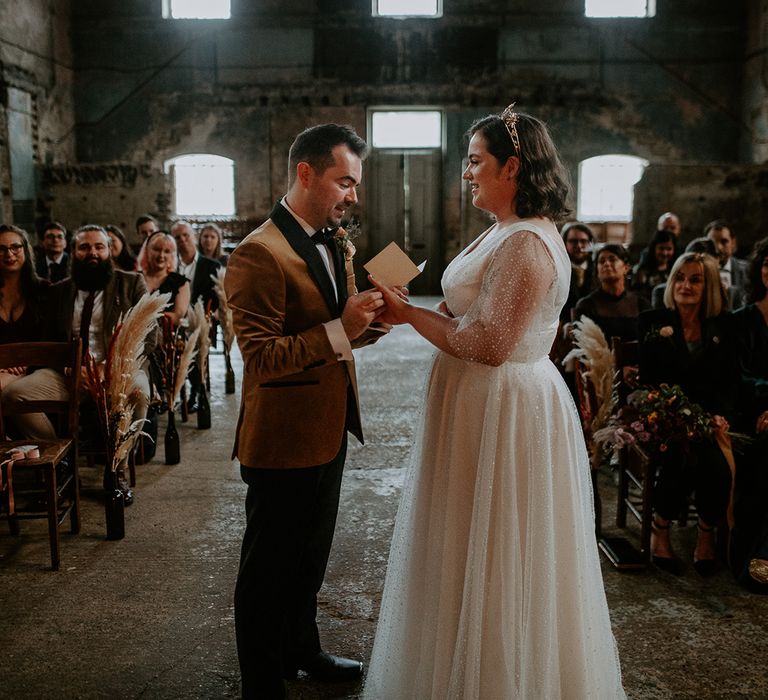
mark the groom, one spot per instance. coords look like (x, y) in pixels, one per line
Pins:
(296, 313)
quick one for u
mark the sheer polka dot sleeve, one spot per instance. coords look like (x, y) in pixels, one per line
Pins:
(514, 287)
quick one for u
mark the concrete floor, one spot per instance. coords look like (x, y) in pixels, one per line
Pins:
(151, 616)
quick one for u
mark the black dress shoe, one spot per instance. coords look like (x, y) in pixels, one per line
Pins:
(127, 497)
(332, 669)
(672, 565)
(192, 406)
(706, 567)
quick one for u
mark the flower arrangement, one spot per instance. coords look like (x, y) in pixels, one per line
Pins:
(175, 354)
(200, 321)
(225, 313)
(113, 387)
(592, 350)
(657, 418)
(659, 333)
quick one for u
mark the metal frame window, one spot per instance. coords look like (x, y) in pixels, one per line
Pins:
(607, 187)
(203, 185)
(197, 9)
(405, 129)
(403, 9)
(620, 8)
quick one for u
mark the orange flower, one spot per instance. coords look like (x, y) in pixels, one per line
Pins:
(653, 417)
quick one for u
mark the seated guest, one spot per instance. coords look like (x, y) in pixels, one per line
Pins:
(654, 264)
(146, 225)
(733, 270)
(53, 264)
(689, 343)
(697, 245)
(198, 270)
(22, 319)
(210, 243)
(611, 306)
(749, 543)
(158, 263)
(578, 239)
(669, 221)
(122, 256)
(90, 303)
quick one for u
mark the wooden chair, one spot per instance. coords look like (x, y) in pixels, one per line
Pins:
(56, 467)
(636, 471)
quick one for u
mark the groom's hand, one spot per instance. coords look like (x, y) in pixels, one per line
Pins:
(359, 311)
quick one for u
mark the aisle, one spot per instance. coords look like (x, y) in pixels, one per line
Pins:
(151, 616)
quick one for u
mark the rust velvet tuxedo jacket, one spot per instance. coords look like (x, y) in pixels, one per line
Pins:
(296, 393)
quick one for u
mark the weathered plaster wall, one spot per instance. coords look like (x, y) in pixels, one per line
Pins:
(702, 193)
(36, 96)
(667, 88)
(755, 142)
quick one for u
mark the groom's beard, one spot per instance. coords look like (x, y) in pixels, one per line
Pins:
(91, 275)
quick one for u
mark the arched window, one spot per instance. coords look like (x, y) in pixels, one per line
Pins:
(606, 187)
(203, 185)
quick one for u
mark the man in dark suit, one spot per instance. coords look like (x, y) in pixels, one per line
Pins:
(296, 314)
(733, 270)
(198, 270)
(53, 264)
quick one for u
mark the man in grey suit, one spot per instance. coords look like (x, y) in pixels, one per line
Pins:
(733, 270)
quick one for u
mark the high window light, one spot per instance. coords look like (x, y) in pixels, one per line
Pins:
(606, 187)
(620, 8)
(197, 9)
(204, 185)
(407, 8)
(406, 129)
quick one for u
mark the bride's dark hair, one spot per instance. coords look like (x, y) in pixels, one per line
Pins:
(542, 181)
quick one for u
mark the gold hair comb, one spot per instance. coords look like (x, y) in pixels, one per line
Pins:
(510, 117)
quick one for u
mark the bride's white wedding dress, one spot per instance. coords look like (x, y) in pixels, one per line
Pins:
(494, 589)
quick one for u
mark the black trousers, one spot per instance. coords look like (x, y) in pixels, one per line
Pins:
(749, 537)
(291, 517)
(703, 470)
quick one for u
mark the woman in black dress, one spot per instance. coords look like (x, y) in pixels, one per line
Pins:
(22, 319)
(158, 260)
(654, 265)
(689, 343)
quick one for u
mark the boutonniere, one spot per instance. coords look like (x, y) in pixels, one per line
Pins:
(657, 333)
(716, 339)
(344, 238)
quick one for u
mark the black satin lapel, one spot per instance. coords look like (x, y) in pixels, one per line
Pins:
(303, 245)
(341, 273)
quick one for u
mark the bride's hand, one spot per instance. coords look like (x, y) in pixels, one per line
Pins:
(396, 300)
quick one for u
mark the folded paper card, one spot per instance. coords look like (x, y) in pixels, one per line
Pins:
(392, 267)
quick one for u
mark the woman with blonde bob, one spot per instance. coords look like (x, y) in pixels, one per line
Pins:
(689, 343)
(158, 260)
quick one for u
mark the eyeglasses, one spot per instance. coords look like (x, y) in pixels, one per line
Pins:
(14, 248)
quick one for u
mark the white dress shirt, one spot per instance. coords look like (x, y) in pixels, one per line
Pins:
(95, 331)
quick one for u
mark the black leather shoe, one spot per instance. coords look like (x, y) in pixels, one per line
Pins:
(192, 406)
(127, 497)
(706, 567)
(672, 565)
(332, 669)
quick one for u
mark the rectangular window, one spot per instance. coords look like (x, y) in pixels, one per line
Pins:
(620, 8)
(406, 129)
(407, 8)
(197, 9)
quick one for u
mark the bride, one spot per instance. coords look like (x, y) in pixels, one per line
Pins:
(494, 588)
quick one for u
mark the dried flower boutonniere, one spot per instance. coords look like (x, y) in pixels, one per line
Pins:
(657, 333)
(344, 238)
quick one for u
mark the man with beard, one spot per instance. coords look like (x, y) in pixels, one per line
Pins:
(89, 303)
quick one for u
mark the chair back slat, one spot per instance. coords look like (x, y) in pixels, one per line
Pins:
(65, 357)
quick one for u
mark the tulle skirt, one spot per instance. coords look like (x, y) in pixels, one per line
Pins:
(493, 588)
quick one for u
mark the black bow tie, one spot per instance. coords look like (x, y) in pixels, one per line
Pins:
(324, 235)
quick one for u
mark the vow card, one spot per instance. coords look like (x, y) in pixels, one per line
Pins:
(392, 267)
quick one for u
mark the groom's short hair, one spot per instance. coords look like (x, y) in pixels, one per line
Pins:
(315, 146)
